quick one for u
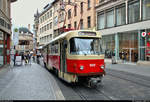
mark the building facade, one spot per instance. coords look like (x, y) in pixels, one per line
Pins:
(72, 15)
(81, 14)
(36, 27)
(45, 26)
(124, 25)
(58, 18)
(25, 40)
(5, 31)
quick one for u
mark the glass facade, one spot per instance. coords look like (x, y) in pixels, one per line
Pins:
(132, 44)
(146, 9)
(121, 15)
(106, 19)
(134, 11)
(108, 45)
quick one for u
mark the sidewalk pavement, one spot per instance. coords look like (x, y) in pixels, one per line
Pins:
(130, 68)
(31, 82)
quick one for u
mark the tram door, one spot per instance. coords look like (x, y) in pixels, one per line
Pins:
(47, 53)
(63, 56)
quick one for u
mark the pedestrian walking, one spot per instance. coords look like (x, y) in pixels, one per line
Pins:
(29, 58)
(124, 57)
(22, 57)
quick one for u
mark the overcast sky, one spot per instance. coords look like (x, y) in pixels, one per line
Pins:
(22, 11)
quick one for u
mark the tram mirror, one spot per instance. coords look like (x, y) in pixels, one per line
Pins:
(65, 44)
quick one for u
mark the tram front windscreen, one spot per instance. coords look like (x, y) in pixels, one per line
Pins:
(85, 46)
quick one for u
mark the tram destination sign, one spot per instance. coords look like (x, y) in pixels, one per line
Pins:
(87, 33)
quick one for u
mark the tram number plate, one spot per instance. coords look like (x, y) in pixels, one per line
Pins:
(92, 65)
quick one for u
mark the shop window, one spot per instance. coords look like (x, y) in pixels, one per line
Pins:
(101, 21)
(134, 11)
(108, 45)
(121, 15)
(146, 9)
(1, 49)
(128, 44)
(110, 18)
(148, 46)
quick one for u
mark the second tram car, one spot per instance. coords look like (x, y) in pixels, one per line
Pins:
(76, 56)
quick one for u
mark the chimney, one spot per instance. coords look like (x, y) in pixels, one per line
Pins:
(29, 27)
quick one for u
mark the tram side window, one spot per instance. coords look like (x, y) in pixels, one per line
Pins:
(72, 47)
(54, 48)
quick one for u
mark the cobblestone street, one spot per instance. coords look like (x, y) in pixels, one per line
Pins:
(30, 82)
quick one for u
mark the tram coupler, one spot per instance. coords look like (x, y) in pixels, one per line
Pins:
(94, 82)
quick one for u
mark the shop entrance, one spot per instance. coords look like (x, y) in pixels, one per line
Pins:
(131, 54)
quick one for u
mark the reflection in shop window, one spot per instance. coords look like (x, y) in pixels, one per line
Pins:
(101, 21)
(146, 9)
(110, 18)
(134, 11)
(120, 15)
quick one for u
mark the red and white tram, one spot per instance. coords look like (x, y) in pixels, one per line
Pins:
(76, 56)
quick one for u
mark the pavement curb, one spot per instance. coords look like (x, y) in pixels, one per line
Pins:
(58, 93)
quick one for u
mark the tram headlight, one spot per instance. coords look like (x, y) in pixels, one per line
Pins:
(81, 67)
(102, 67)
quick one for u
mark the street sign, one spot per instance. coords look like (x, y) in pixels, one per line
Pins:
(143, 34)
(15, 36)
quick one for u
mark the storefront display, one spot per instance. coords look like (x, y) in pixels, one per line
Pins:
(128, 44)
(1, 49)
(148, 45)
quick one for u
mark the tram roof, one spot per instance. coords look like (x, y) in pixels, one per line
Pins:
(64, 34)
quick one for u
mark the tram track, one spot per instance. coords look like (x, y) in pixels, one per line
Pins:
(132, 81)
(103, 93)
(79, 93)
(96, 91)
